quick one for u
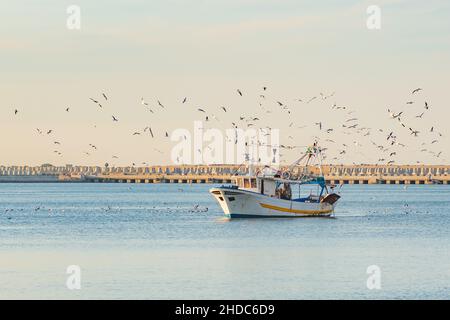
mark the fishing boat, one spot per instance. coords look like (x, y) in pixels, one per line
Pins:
(273, 193)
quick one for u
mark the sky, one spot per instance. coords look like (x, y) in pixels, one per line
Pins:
(205, 51)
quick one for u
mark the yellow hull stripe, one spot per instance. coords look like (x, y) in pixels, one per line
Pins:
(268, 206)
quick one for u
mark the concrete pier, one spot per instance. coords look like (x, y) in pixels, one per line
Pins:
(186, 174)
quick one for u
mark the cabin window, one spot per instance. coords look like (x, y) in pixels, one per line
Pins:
(221, 198)
(231, 198)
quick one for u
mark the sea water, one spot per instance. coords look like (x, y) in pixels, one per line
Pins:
(171, 241)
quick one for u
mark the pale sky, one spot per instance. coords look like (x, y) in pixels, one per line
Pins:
(205, 50)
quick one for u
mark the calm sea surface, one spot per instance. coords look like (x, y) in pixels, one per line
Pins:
(150, 242)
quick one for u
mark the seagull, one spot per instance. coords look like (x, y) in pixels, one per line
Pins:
(184, 100)
(223, 108)
(420, 115)
(160, 104)
(201, 110)
(67, 109)
(114, 118)
(393, 115)
(143, 102)
(416, 90)
(311, 99)
(93, 100)
(239, 92)
(390, 135)
(319, 124)
(104, 96)
(414, 132)
(426, 106)
(16, 111)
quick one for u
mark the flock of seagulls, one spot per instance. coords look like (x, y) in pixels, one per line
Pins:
(164, 208)
(326, 133)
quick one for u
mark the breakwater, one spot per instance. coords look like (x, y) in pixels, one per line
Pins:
(334, 174)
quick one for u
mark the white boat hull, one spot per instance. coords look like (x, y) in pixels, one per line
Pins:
(240, 203)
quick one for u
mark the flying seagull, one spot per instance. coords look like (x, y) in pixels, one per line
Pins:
(143, 102)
